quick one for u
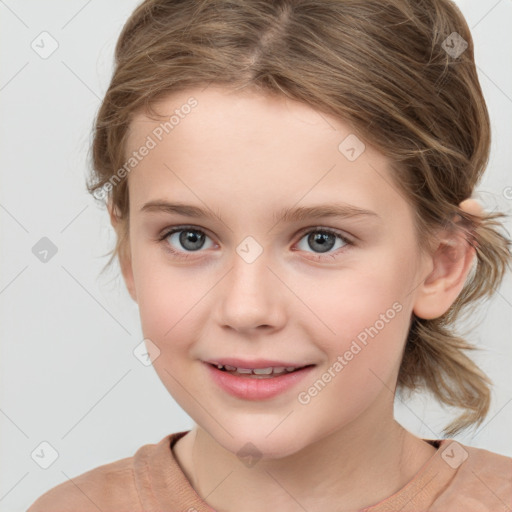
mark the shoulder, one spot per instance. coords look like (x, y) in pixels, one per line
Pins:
(109, 485)
(482, 481)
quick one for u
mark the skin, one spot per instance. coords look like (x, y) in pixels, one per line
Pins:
(244, 156)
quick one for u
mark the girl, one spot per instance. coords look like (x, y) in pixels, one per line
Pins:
(235, 138)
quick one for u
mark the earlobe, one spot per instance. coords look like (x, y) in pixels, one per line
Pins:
(127, 271)
(113, 217)
(452, 263)
(124, 255)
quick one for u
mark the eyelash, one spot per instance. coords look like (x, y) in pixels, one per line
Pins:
(316, 256)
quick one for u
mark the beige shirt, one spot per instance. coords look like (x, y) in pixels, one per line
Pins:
(456, 478)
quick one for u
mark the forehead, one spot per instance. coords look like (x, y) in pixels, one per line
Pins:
(261, 149)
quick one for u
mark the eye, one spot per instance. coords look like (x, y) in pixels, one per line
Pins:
(181, 241)
(323, 240)
(189, 238)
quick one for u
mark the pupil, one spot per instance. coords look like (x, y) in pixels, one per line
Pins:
(191, 237)
(323, 240)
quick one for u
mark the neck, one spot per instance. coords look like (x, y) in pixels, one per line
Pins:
(358, 466)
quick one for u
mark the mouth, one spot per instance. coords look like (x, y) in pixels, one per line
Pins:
(268, 372)
(262, 383)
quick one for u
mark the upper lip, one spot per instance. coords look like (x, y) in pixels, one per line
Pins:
(255, 363)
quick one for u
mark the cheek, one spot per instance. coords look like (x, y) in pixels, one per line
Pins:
(166, 297)
(370, 323)
(364, 315)
(169, 301)
(167, 312)
(354, 299)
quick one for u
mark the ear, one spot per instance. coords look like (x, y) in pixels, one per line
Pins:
(124, 255)
(451, 262)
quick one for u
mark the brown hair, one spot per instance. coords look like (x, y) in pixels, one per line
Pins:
(380, 65)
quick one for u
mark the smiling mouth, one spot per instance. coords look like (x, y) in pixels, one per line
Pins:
(258, 373)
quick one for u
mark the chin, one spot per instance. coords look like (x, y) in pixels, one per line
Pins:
(254, 442)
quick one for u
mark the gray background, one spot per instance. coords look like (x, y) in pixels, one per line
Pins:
(68, 373)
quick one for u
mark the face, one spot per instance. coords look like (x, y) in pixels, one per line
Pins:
(241, 283)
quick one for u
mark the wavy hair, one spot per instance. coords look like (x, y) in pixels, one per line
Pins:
(383, 66)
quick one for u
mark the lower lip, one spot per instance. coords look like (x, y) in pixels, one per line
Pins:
(254, 388)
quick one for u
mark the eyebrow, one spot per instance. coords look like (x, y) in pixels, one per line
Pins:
(284, 215)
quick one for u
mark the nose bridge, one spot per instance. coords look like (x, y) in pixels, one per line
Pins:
(249, 295)
(250, 272)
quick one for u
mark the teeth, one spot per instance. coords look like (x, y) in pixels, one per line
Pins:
(277, 370)
(262, 371)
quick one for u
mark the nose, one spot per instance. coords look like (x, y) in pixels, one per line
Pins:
(251, 296)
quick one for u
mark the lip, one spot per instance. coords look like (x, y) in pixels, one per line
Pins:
(255, 363)
(252, 388)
